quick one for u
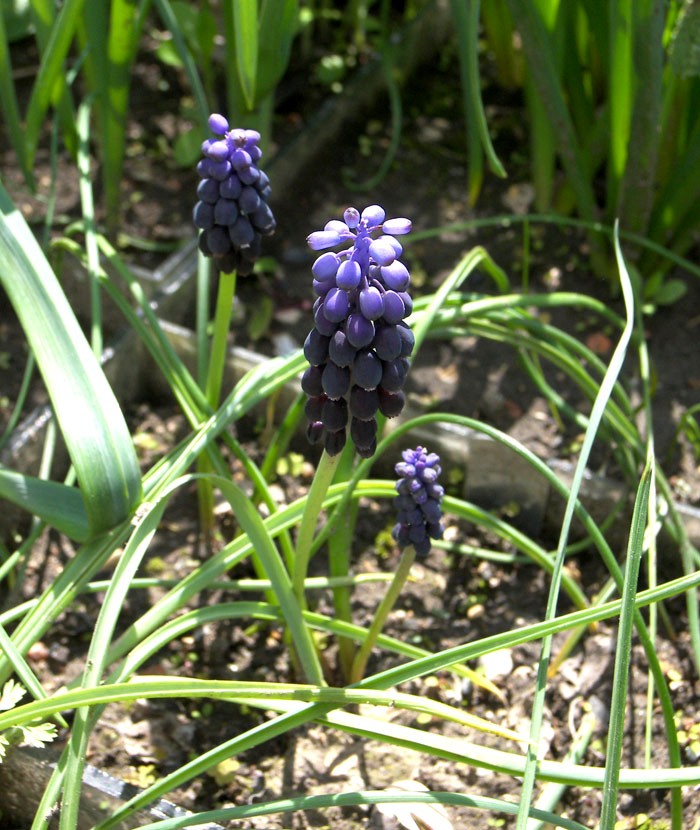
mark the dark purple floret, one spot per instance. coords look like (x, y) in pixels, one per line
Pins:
(232, 213)
(359, 331)
(418, 502)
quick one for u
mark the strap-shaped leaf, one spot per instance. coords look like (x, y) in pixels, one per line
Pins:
(278, 28)
(50, 72)
(9, 105)
(245, 43)
(60, 506)
(87, 411)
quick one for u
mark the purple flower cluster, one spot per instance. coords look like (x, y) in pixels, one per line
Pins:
(359, 348)
(232, 212)
(418, 501)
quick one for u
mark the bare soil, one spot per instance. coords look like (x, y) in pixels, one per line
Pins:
(452, 598)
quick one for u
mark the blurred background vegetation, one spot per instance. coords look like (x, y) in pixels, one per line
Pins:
(609, 91)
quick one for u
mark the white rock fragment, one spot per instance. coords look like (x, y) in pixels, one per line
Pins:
(496, 664)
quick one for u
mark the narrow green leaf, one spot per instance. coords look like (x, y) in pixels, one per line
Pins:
(600, 404)
(466, 20)
(498, 29)
(56, 504)
(167, 15)
(616, 728)
(51, 71)
(253, 526)
(10, 106)
(677, 200)
(405, 806)
(43, 15)
(620, 93)
(542, 148)
(245, 46)
(88, 414)
(122, 40)
(278, 27)
(95, 663)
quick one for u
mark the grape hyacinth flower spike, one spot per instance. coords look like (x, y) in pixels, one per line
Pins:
(232, 212)
(359, 347)
(419, 512)
(418, 501)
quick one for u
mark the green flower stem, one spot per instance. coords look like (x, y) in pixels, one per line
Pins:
(222, 325)
(214, 380)
(322, 480)
(406, 561)
(202, 315)
(339, 553)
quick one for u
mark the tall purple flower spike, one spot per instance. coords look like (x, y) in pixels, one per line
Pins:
(359, 347)
(419, 500)
(232, 212)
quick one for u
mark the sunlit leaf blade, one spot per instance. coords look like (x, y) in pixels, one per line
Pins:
(245, 21)
(51, 72)
(8, 103)
(616, 729)
(621, 95)
(57, 504)
(251, 523)
(126, 21)
(466, 21)
(88, 414)
(278, 24)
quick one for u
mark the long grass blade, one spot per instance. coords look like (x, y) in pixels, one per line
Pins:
(245, 48)
(125, 23)
(466, 20)
(597, 412)
(253, 693)
(59, 506)
(616, 728)
(264, 547)
(43, 16)
(621, 93)
(10, 107)
(169, 18)
(363, 799)
(278, 27)
(95, 662)
(51, 72)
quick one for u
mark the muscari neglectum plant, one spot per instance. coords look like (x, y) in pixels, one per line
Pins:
(117, 661)
(359, 347)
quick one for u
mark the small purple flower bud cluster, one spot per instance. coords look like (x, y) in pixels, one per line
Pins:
(418, 501)
(359, 348)
(232, 212)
